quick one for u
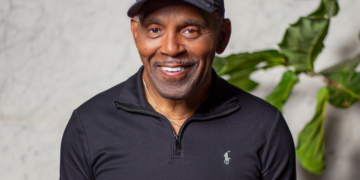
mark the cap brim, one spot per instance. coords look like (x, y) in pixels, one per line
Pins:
(135, 8)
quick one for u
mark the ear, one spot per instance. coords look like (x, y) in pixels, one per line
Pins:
(134, 26)
(224, 36)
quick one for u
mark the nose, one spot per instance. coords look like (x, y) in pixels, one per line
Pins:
(171, 45)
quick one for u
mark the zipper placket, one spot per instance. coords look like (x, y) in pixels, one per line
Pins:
(177, 152)
(156, 114)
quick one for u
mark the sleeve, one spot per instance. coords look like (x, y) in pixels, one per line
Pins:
(279, 155)
(75, 155)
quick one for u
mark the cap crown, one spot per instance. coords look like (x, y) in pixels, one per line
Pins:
(208, 6)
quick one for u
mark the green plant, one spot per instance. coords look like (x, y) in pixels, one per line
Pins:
(302, 43)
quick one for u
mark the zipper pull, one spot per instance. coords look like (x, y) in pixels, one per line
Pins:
(177, 144)
(177, 141)
(177, 150)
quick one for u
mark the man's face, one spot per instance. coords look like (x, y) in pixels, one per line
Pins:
(177, 43)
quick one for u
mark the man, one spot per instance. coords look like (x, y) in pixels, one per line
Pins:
(176, 118)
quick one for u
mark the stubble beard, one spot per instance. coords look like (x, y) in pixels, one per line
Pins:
(175, 88)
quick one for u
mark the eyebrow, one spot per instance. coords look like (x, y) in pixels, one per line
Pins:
(197, 23)
(153, 20)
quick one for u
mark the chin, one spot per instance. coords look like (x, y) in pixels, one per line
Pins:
(176, 94)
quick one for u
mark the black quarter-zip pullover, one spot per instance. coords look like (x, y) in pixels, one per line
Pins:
(117, 135)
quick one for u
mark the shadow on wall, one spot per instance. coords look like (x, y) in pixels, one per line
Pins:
(342, 146)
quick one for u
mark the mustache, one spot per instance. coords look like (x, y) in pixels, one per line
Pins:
(185, 62)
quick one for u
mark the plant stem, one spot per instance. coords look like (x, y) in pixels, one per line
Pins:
(324, 78)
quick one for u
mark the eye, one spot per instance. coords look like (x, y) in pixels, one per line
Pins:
(191, 32)
(154, 30)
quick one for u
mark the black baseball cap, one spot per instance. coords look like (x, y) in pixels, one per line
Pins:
(208, 6)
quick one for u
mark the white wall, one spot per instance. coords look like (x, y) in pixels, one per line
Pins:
(55, 54)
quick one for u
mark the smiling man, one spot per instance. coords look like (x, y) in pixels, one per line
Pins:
(176, 118)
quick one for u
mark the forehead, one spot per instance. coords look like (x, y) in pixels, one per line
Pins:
(158, 9)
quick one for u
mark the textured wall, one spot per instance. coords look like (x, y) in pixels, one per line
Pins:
(55, 54)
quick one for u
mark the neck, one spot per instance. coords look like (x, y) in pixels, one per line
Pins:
(177, 110)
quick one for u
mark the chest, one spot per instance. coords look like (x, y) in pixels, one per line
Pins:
(208, 150)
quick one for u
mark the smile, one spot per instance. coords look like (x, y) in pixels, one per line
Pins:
(173, 69)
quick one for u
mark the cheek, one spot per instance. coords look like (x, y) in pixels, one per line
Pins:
(204, 50)
(147, 48)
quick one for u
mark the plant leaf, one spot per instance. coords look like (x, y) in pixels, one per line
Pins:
(344, 66)
(246, 84)
(303, 41)
(218, 63)
(344, 85)
(236, 62)
(311, 148)
(327, 8)
(241, 79)
(283, 90)
(345, 91)
(240, 66)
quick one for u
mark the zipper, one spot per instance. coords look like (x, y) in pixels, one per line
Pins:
(156, 114)
(177, 137)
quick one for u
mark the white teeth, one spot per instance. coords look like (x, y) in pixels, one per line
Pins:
(172, 69)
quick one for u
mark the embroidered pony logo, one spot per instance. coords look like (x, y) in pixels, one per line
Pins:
(227, 159)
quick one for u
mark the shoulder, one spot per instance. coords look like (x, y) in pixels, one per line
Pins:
(98, 110)
(96, 114)
(101, 101)
(269, 126)
(255, 113)
(251, 104)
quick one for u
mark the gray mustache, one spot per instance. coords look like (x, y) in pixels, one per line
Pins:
(186, 62)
